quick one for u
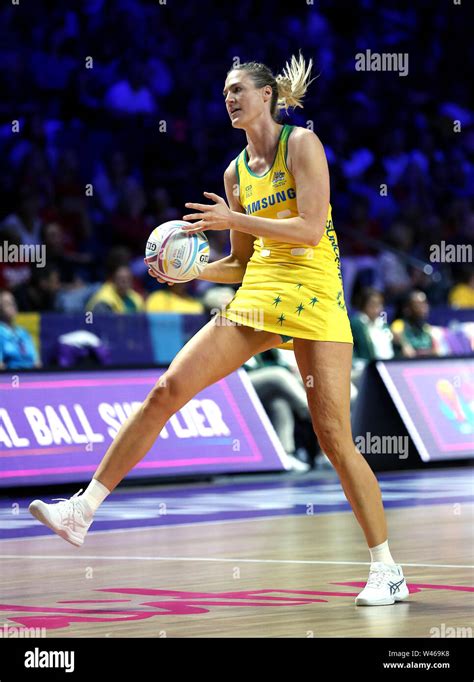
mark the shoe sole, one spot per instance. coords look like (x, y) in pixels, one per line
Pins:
(39, 510)
(365, 602)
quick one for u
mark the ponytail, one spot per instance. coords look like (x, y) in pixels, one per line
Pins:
(289, 87)
(293, 82)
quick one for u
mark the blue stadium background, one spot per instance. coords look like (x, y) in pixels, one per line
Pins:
(125, 96)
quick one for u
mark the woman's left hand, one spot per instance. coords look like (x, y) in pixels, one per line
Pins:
(213, 217)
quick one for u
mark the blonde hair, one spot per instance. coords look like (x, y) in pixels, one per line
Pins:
(289, 87)
(293, 82)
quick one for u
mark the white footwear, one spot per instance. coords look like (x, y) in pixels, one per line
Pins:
(70, 519)
(297, 465)
(385, 585)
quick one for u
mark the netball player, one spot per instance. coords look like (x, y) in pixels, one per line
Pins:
(284, 250)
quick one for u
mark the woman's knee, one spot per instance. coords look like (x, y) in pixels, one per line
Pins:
(335, 439)
(166, 397)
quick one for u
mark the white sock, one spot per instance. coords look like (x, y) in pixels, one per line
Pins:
(381, 553)
(95, 494)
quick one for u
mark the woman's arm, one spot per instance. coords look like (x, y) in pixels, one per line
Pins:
(231, 269)
(307, 162)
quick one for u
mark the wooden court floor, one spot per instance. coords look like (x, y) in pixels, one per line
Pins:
(284, 576)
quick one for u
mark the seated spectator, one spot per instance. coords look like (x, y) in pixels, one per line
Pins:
(73, 266)
(161, 209)
(397, 278)
(130, 95)
(371, 333)
(111, 182)
(159, 76)
(462, 294)
(17, 350)
(69, 189)
(363, 227)
(34, 174)
(68, 180)
(39, 294)
(412, 335)
(175, 299)
(117, 295)
(15, 272)
(128, 223)
(25, 222)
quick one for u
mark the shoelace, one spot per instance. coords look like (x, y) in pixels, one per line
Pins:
(377, 576)
(68, 511)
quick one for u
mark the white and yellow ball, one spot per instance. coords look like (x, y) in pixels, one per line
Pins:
(175, 255)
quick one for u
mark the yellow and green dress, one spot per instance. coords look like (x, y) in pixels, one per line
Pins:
(294, 290)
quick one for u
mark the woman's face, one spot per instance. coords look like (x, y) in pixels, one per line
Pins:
(373, 307)
(123, 280)
(244, 102)
(418, 307)
(8, 309)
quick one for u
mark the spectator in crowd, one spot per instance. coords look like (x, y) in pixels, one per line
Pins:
(13, 272)
(362, 228)
(395, 271)
(117, 295)
(17, 350)
(175, 299)
(34, 173)
(25, 222)
(131, 94)
(412, 335)
(161, 209)
(370, 331)
(39, 294)
(396, 157)
(415, 180)
(462, 293)
(112, 181)
(159, 76)
(68, 183)
(129, 226)
(73, 267)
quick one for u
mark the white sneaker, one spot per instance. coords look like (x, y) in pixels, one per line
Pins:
(385, 585)
(70, 519)
(297, 465)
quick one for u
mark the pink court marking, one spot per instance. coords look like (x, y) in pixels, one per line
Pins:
(70, 383)
(142, 465)
(59, 450)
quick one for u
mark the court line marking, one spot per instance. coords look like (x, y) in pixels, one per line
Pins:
(273, 517)
(214, 522)
(90, 557)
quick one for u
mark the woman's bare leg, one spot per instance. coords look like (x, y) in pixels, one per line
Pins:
(217, 349)
(325, 367)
